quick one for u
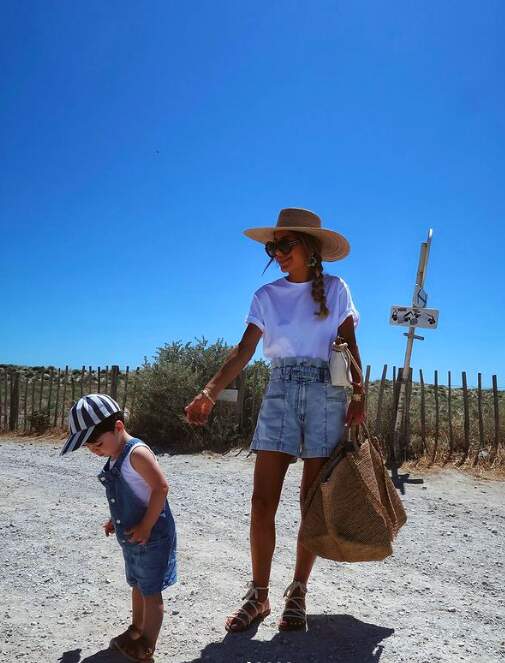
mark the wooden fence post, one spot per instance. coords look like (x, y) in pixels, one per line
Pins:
(423, 413)
(50, 396)
(14, 401)
(65, 380)
(6, 397)
(437, 422)
(41, 389)
(55, 419)
(125, 387)
(114, 379)
(449, 416)
(33, 401)
(81, 382)
(379, 400)
(480, 418)
(135, 385)
(106, 390)
(496, 420)
(99, 376)
(90, 380)
(25, 404)
(466, 422)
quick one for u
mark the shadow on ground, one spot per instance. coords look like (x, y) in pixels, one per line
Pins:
(103, 656)
(328, 639)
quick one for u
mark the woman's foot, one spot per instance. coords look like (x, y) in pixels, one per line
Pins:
(294, 615)
(255, 608)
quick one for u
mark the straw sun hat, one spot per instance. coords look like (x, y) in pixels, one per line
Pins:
(333, 245)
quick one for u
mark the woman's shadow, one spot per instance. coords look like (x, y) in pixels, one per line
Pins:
(328, 639)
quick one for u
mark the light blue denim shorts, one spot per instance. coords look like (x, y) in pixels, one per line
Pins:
(302, 413)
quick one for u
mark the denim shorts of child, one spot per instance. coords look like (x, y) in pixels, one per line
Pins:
(302, 413)
(150, 567)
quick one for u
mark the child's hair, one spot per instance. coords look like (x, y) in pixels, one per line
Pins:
(105, 426)
(313, 247)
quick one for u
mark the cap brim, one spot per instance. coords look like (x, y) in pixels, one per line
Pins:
(333, 245)
(76, 440)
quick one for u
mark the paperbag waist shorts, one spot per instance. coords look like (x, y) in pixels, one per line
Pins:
(302, 413)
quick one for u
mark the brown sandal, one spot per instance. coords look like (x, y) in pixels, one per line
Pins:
(136, 650)
(245, 618)
(131, 633)
(294, 618)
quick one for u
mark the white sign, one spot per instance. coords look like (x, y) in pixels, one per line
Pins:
(411, 316)
(420, 298)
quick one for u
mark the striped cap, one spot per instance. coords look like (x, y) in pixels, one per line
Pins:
(84, 416)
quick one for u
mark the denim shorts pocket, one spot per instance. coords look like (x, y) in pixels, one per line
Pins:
(268, 433)
(335, 393)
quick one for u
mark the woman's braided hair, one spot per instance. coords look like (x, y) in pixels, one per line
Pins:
(312, 246)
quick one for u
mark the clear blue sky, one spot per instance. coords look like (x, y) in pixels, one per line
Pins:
(139, 139)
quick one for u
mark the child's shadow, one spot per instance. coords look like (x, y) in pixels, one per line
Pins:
(328, 638)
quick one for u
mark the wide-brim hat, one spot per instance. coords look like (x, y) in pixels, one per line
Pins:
(333, 245)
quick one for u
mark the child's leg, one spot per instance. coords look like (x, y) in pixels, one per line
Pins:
(137, 610)
(153, 618)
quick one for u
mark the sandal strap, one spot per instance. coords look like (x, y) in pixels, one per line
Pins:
(250, 597)
(298, 611)
(296, 584)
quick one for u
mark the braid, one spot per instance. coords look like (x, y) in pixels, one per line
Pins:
(313, 247)
(318, 293)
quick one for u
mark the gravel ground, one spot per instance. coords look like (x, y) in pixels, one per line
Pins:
(439, 598)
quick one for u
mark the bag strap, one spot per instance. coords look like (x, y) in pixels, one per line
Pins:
(339, 341)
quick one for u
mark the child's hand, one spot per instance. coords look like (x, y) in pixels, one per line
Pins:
(108, 527)
(139, 534)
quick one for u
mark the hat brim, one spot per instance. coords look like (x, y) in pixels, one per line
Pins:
(333, 245)
(76, 440)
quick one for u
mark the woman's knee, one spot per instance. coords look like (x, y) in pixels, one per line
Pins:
(263, 507)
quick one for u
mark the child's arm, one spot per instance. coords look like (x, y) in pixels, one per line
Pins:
(144, 462)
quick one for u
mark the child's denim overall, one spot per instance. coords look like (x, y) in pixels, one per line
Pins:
(150, 567)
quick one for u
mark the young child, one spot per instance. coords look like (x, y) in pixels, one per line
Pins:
(136, 490)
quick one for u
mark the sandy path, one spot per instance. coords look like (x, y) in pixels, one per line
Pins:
(440, 598)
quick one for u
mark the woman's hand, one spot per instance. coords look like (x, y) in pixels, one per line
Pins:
(108, 527)
(355, 413)
(197, 412)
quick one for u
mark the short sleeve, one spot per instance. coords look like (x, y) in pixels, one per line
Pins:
(255, 315)
(345, 304)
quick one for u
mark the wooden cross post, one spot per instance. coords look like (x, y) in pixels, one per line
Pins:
(417, 301)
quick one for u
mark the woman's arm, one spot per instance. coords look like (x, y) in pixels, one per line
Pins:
(197, 412)
(356, 409)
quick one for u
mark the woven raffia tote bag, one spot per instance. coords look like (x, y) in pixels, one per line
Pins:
(352, 512)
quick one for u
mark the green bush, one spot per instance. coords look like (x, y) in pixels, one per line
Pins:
(167, 384)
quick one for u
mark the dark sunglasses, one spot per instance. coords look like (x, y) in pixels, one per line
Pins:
(284, 246)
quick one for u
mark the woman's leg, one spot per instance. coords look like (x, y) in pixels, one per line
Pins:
(304, 558)
(153, 618)
(269, 472)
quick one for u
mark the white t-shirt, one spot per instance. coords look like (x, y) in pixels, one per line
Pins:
(285, 313)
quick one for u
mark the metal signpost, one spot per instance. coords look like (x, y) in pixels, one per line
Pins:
(416, 315)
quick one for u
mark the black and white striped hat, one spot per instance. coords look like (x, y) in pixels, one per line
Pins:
(84, 417)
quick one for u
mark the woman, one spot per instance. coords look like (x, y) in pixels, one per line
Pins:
(302, 414)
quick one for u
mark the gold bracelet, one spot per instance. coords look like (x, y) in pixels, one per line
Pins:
(206, 393)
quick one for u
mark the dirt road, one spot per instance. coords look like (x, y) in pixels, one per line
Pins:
(439, 598)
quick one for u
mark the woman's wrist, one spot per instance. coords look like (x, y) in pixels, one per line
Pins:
(206, 392)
